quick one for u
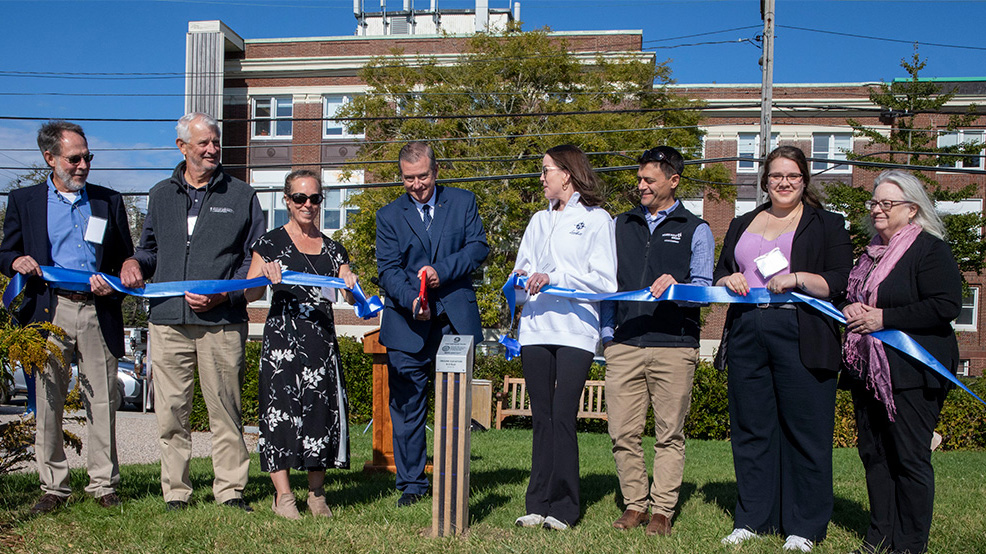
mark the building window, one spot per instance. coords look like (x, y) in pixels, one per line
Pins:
(961, 207)
(335, 215)
(331, 104)
(748, 148)
(955, 138)
(832, 146)
(744, 206)
(969, 316)
(272, 117)
(963, 369)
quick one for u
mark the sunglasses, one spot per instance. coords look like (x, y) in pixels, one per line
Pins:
(299, 198)
(77, 158)
(656, 155)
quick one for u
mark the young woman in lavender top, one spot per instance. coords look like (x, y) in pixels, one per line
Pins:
(783, 359)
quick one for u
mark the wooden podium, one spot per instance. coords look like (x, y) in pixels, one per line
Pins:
(383, 431)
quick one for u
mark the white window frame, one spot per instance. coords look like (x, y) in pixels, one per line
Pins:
(963, 135)
(833, 151)
(270, 202)
(964, 366)
(327, 120)
(974, 306)
(331, 181)
(742, 140)
(965, 206)
(744, 205)
(272, 103)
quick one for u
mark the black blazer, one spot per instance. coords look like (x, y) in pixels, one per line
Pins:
(821, 245)
(921, 296)
(25, 232)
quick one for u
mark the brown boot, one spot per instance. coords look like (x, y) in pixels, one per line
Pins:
(631, 519)
(659, 525)
(316, 503)
(284, 506)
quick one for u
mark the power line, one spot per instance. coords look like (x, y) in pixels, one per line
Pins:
(884, 39)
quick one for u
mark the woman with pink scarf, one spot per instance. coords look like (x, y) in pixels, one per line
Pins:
(906, 279)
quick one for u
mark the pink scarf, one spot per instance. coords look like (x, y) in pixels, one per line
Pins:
(864, 355)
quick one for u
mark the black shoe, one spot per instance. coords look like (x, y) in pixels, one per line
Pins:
(408, 499)
(238, 503)
(175, 505)
(48, 503)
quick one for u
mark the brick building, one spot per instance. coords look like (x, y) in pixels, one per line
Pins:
(277, 98)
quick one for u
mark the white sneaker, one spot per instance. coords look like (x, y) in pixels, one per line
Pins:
(530, 520)
(552, 523)
(799, 544)
(738, 536)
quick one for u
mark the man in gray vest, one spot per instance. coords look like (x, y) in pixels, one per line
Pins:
(200, 224)
(651, 348)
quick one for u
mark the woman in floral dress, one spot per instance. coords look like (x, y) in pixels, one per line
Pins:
(303, 404)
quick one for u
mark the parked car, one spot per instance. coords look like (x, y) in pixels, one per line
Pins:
(129, 385)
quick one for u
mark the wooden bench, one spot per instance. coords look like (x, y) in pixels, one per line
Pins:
(513, 401)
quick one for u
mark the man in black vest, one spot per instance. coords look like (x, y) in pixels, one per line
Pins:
(652, 348)
(200, 224)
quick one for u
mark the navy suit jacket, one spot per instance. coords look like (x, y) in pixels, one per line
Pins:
(456, 247)
(25, 232)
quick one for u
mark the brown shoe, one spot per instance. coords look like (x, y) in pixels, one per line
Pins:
(631, 519)
(110, 500)
(48, 503)
(316, 503)
(659, 525)
(284, 505)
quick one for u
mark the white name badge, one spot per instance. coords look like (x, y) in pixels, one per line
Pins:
(95, 230)
(771, 263)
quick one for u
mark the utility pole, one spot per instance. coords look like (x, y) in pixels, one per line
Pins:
(767, 88)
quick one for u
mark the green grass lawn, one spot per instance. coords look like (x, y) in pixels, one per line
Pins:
(366, 519)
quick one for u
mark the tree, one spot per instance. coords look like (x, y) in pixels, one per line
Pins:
(912, 143)
(524, 78)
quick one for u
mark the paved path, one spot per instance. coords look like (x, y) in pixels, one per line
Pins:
(136, 438)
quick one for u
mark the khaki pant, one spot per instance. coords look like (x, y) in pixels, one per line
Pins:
(97, 383)
(217, 351)
(635, 378)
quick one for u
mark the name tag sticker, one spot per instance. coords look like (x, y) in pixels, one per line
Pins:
(96, 230)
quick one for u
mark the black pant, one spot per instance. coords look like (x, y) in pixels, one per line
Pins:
(900, 481)
(555, 377)
(781, 418)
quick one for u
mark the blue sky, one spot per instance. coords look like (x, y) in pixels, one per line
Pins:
(148, 36)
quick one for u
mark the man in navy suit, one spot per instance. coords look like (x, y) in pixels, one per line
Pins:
(432, 234)
(71, 224)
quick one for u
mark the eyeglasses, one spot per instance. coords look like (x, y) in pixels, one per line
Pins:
(777, 178)
(885, 205)
(299, 198)
(545, 169)
(77, 158)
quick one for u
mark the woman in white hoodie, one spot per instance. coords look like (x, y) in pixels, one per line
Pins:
(569, 245)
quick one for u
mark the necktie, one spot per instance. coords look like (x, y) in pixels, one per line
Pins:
(427, 217)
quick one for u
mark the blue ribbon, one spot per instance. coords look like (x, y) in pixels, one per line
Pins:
(60, 277)
(697, 293)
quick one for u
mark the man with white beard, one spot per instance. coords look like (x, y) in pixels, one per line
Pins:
(68, 223)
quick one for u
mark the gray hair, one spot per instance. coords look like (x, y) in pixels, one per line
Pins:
(912, 187)
(50, 135)
(186, 121)
(414, 151)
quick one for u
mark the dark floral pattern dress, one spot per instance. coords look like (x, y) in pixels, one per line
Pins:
(303, 403)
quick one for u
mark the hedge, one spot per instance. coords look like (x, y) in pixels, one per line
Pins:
(962, 424)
